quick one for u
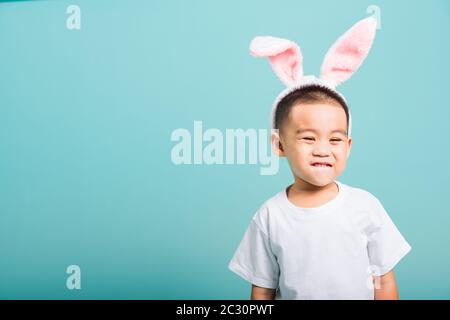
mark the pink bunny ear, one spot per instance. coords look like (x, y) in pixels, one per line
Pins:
(348, 52)
(284, 56)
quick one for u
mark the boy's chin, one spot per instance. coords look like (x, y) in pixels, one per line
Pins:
(324, 183)
(318, 181)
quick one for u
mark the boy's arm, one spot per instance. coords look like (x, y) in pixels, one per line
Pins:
(260, 293)
(386, 287)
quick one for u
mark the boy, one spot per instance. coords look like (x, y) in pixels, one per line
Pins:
(318, 238)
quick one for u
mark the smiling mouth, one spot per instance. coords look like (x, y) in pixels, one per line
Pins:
(321, 164)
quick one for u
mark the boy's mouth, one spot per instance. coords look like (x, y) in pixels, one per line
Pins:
(321, 164)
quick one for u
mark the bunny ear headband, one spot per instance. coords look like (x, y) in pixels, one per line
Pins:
(342, 60)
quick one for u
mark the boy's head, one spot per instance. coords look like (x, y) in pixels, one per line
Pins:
(314, 103)
(313, 125)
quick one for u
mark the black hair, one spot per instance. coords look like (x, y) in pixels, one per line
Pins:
(310, 94)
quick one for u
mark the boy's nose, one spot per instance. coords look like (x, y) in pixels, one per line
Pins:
(321, 149)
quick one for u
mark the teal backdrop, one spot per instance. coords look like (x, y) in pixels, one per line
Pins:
(86, 117)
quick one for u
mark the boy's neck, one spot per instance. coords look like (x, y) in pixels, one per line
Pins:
(306, 195)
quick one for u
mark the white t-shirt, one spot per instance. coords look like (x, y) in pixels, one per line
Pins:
(325, 252)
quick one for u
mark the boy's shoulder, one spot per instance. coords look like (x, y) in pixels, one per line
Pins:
(360, 193)
(268, 210)
(360, 198)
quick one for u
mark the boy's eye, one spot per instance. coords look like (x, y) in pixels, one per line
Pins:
(311, 139)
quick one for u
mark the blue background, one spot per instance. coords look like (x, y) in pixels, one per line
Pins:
(86, 117)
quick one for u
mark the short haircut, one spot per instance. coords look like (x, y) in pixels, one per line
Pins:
(309, 95)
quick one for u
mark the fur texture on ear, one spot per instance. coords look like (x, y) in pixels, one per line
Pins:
(348, 52)
(284, 56)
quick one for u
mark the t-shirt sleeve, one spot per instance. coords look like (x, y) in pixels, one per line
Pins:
(386, 245)
(254, 260)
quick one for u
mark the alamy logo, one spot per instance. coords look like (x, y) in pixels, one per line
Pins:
(73, 21)
(74, 280)
(232, 147)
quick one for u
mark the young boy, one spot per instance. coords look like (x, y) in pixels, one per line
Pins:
(318, 238)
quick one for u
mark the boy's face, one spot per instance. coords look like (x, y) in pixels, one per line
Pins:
(315, 133)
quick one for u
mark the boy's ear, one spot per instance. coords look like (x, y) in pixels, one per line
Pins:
(349, 141)
(276, 143)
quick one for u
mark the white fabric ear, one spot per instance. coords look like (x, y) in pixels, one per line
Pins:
(348, 52)
(284, 56)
